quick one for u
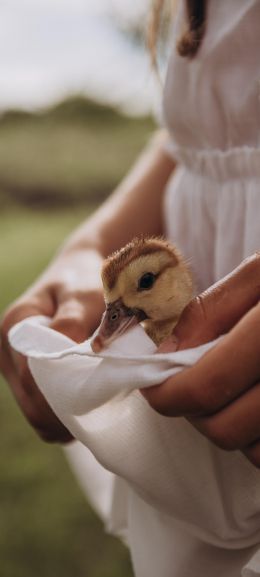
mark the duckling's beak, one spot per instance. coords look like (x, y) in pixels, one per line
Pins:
(116, 320)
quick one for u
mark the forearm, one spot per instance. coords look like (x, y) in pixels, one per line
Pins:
(134, 208)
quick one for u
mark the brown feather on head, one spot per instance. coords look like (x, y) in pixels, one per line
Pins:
(139, 246)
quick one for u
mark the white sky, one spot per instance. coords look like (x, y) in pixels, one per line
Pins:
(49, 48)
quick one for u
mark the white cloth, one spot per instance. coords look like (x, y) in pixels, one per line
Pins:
(187, 508)
(212, 112)
(95, 396)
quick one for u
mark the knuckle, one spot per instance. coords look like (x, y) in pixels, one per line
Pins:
(202, 309)
(194, 314)
(256, 258)
(253, 264)
(197, 324)
(201, 304)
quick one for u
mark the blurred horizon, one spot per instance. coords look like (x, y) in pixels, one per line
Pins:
(53, 49)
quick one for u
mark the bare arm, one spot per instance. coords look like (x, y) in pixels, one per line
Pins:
(69, 291)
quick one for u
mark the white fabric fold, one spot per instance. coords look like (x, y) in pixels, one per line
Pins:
(168, 466)
(91, 380)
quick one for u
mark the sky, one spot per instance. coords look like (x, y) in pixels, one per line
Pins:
(52, 48)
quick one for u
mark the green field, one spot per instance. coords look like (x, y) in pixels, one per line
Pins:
(73, 152)
(46, 527)
(61, 163)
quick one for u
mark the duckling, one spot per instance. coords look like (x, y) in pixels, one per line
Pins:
(148, 282)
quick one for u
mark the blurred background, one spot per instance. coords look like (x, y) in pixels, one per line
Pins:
(77, 101)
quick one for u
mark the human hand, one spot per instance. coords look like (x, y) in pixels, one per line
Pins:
(220, 394)
(70, 293)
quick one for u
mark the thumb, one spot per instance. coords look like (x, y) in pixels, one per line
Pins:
(77, 318)
(215, 311)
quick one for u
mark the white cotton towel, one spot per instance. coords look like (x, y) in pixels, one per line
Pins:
(214, 495)
(93, 379)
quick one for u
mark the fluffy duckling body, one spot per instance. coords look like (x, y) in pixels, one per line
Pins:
(147, 281)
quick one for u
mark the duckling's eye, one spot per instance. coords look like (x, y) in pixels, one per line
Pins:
(146, 281)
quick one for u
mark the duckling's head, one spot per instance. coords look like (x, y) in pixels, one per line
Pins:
(147, 279)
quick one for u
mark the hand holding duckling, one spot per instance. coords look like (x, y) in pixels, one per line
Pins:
(220, 395)
(146, 281)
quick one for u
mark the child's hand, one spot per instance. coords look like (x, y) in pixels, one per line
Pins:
(70, 293)
(220, 395)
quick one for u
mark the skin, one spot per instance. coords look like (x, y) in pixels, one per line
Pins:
(70, 289)
(220, 395)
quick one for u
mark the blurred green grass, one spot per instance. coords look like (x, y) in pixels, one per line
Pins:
(76, 151)
(46, 527)
(55, 166)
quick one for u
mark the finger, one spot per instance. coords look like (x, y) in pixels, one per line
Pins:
(15, 369)
(77, 319)
(219, 377)
(218, 309)
(237, 425)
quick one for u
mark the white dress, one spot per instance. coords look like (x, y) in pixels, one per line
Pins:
(212, 111)
(186, 508)
(212, 211)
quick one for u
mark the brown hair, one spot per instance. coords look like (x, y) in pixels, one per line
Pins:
(190, 41)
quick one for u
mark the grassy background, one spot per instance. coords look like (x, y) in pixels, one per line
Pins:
(60, 162)
(71, 153)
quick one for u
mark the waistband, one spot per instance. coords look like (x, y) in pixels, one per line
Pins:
(218, 164)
